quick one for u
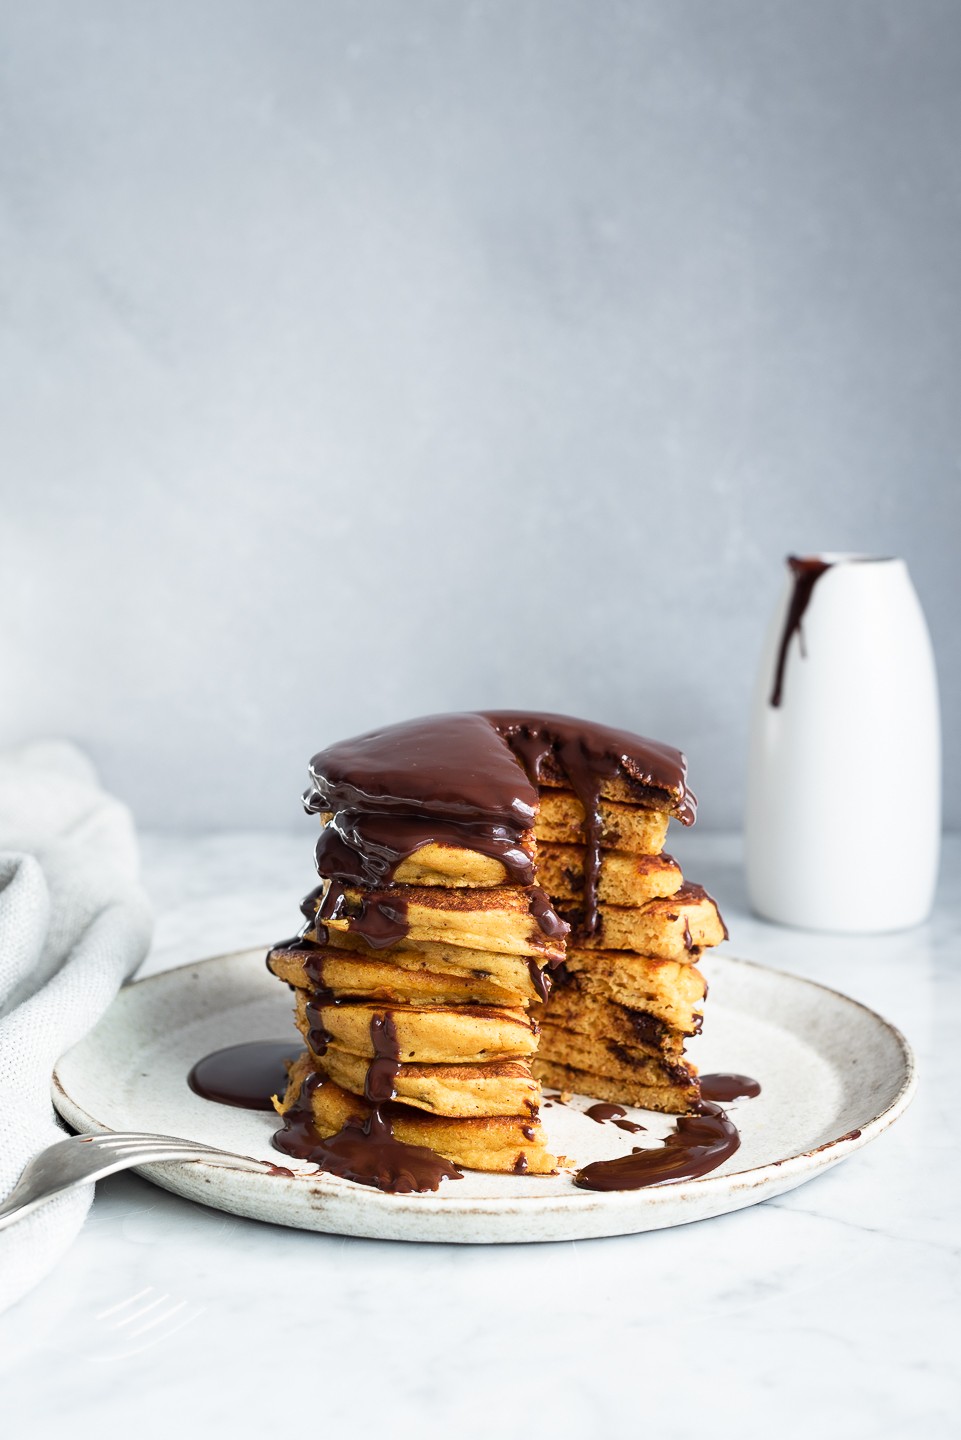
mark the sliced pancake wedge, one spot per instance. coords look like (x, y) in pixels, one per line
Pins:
(560, 820)
(602, 1055)
(671, 991)
(676, 928)
(576, 1008)
(668, 1097)
(623, 880)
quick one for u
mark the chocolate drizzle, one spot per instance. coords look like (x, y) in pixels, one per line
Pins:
(318, 1038)
(602, 1112)
(548, 921)
(587, 756)
(367, 849)
(698, 1145)
(364, 1149)
(540, 979)
(470, 780)
(807, 572)
(380, 918)
(382, 1070)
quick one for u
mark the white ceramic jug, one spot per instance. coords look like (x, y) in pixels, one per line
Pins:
(844, 778)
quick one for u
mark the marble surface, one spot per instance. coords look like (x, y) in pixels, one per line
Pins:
(832, 1310)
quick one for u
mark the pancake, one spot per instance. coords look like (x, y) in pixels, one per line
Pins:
(623, 879)
(676, 928)
(602, 1055)
(667, 989)
(559, 751)
(511, 972)
(560, 820)
(491, 1142)
(435, 1034)
(433, 863)
(496, 1087)
(355, 977)
(575, 1008)
(670, 1098)
(506, 920)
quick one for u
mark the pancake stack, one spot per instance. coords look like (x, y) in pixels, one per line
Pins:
(628, 995)
(495, 909)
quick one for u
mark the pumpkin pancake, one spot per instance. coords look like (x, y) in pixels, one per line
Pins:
(560, 820)
(355, 976)
(505, 920)
(623, 879)
(423, 1034)
(496, 1087)
(675, 928)
(668, 1097)
(490, 1142)
(511, 972)
(667, 989)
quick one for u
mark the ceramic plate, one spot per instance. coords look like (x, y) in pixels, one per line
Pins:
(833, 1076)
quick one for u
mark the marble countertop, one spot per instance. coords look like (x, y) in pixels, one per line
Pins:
(830, 1310)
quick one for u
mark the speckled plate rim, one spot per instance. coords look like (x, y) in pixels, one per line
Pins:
(339, 1207)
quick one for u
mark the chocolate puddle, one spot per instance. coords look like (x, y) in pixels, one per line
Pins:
(698, 1145)
(244, 1075)
(726, 1086)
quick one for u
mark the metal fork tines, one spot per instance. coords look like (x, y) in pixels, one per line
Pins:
(83, 1159)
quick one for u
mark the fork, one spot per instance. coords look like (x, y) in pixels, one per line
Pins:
(82, 1159)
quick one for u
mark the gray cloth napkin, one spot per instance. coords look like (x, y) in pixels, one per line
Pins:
(74, 923)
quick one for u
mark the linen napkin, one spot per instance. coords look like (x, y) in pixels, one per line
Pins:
(74, 923)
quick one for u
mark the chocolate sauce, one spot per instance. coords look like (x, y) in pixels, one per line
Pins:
(381, 918)
(318, 1038)
(443, 766)
(548, 921)
(587, 756)
(456, 780)
(244, 1075)
(364, 1150)
(807, 571)
(366, 849)
(382, 1070)
(724, 1086)
(304, 939)
(309, 904)
(698, 1145)
(540, 979)
(602, 1112)
(520, 1164)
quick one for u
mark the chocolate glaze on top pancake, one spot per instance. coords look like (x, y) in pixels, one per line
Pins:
(452, 766)
(470, 781)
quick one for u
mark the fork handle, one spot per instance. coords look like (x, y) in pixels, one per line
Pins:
(23, 1199)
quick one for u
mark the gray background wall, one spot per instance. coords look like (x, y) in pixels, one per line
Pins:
(363, 360)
